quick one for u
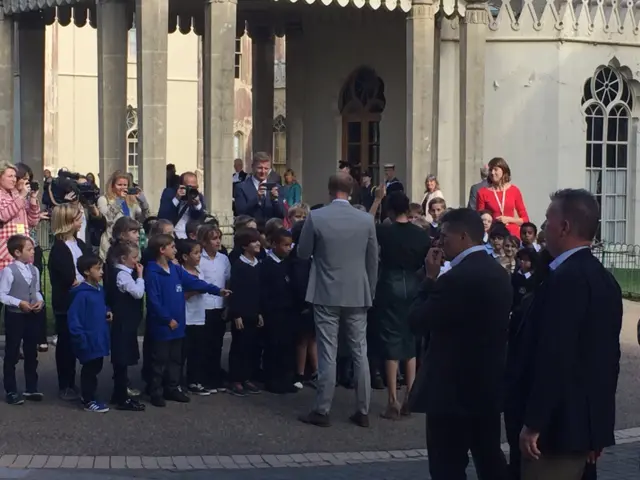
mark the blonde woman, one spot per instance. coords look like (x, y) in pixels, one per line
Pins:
(19, 209)
(431, 191)
(66, 221)
(116, 203)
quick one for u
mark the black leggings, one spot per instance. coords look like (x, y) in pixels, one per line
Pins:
(89, 379)
(65, 358)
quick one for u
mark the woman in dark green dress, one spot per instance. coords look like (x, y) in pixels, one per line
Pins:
(403, 248)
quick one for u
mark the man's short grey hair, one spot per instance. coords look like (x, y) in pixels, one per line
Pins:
(580, 208)
(484, 172)
(260, 157)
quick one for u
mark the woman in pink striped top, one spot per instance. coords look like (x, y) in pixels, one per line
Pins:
(19, 209)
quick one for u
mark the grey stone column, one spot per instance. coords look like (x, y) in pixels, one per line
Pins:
(112, 86)
(218, 62)
(421, 96)
(263, 43)
(200, 133)
(473, 33)
(152, 20)
(295, 92)
(6, 89)
(31, 48)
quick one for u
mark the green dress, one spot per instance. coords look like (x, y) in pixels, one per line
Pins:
(403, 248)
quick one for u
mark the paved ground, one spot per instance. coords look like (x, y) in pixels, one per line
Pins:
(620, 463)
(225, 425)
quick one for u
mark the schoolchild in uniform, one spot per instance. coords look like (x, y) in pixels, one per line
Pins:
(244, 311)
(166, 284)
(125, 291)
(216, 269)
(277, 307)
(20, 293)
(88, 320)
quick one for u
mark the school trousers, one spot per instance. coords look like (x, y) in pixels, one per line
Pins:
(279, 350)
(65, 358)
(215, 328)
(89, 378)
(166, 363)
(243, 348)
(21, 328)
(194, 354)
(120, 384)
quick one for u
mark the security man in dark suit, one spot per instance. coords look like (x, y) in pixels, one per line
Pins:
(460, 383)
(563, 373)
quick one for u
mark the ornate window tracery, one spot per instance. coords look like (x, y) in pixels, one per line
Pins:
(607, 103)
(280, 144)
(132, 143)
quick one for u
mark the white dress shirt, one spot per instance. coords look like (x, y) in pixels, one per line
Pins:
(216, 271)
(126, 283)
(194, 306)
(76, 253)
(82, 233)
(180, 229)
(6, 280)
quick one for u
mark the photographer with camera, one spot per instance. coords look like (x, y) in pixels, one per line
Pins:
(120, 199)
(19, 208)
(258, 196)
(181, 204)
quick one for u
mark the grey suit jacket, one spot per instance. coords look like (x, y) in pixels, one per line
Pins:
(473, 193)
(342, 242)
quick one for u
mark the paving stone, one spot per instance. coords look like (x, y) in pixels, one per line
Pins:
(255, 459)
(341, 455)
(240, 459)
(422, 452)
(355, 456)
(69, 462)
(327, 457)
(7, 460)
(196, 462)
(284, 458)
(212, 461)
(85, 462)
(411, 453)
(101, 462)
(384, 455)
(150, 463)
(312, 457)
(226, 460)
(134, 462)
(261, 465)
(269, 458)
(397, 454)
(118, 462)
(181, 463)
(370, 455)
(38, 461)
(298, 458)
(21, 461)
(166, 463)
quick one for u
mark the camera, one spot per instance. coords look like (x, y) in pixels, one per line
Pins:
(34, 186)
(191, 193)
(68, 182)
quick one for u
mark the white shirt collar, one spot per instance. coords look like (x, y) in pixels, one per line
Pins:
(560, 259)
(124, 268)
(339, 200)
(462, 255)
(273, 256)
(244, 259)
(256, 182)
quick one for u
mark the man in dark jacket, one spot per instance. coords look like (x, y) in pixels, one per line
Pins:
(181, 204)
(460, 384)
(257, 196)
(562, 382)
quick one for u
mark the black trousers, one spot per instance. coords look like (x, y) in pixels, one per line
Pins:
(279, 352)
(451, 437)
(42, 316)
(89, 378)
(21, 328)
(120, 383)
(146, 358)
(215, 330)
(166, 363)
(65, 358)
(243, 350)
(194, 354)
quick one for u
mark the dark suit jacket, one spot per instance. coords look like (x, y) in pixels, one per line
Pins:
(242, 176)
(62, 273)
(564, 360)
(170, 212)
(246, 202)
(466, 314)
(473, 194)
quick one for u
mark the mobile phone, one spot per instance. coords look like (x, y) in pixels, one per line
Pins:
(270, 185)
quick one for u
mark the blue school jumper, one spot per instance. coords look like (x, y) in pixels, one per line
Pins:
(165, 299)
(87, 320)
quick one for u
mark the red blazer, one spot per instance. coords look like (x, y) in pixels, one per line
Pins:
(513, 203)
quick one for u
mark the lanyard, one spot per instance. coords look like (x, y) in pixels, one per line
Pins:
(500, 205)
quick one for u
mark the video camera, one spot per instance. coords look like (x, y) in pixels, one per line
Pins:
(68, 182)
(191, 193)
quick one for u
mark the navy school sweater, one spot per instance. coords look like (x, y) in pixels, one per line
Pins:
(245, 283)
(275, 286)
(87, 320)
(165, 299)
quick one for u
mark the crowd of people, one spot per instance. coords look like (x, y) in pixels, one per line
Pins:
(367, 291)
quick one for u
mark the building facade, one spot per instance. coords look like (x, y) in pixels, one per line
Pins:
(438, 88)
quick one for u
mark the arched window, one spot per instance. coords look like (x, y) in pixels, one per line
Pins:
(238, 145)
(362, 102)
(607, 103)
(132, 143)
(279, 144)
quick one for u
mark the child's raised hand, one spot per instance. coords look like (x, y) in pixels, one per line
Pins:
(238, 324)
(139, 270)
(173, 324)
(225, 293)
(109, 316)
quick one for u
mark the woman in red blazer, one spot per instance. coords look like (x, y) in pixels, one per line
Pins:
(502, 199)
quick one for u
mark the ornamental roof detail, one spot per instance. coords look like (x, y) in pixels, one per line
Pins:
(17, 6)
(404, 5)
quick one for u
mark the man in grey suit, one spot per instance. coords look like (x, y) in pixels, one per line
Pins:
(473, 191)
(342, 242)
